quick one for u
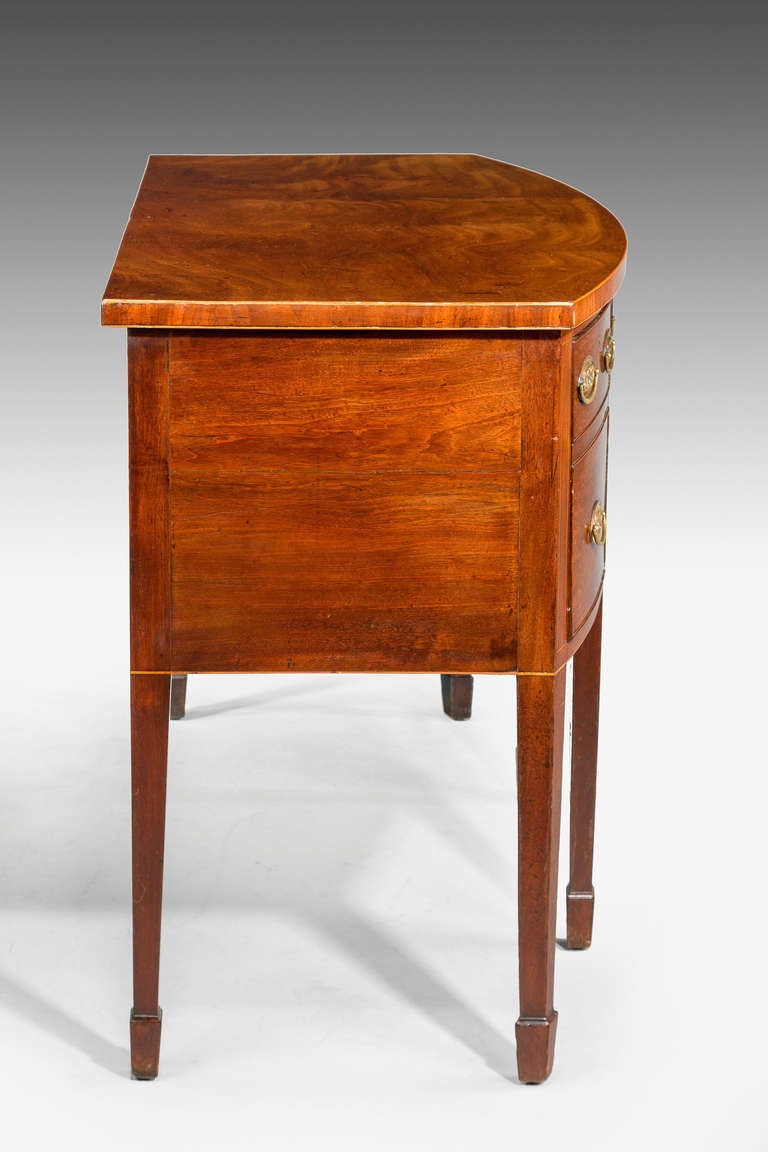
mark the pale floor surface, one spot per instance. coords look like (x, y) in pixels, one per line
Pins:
(339, 954)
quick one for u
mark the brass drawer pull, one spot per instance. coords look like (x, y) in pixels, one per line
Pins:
(588, 380)
(608, 355)
(597, 527)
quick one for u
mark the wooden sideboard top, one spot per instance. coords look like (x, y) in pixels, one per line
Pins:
(360, 241)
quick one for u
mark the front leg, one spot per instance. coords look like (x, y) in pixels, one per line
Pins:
(580, 895)
(540, 720)
(150, 695)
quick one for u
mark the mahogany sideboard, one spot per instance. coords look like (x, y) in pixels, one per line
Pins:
(368, 416)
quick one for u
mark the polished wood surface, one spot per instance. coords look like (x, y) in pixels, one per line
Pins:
(150, 695)
(387, 241)
(381, 573)
(149, 501)
(344, 504)
(540, 731)
(308, 494)
(543, 502)
(346, 402)
(589, 342)
(588, 485)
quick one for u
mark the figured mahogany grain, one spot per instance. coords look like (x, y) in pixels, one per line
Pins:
(360, 241)
(367, 403)
(345, 502)
(397, 571)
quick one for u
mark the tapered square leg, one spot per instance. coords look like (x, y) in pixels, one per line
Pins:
(580, 895)
(178, 697)
(540, 718)
(149, 757)
(457, 696)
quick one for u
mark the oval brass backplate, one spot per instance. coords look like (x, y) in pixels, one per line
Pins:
(597, 527)
(588, 378)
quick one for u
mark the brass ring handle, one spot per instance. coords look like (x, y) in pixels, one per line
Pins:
(597, 527)
(608, 355)
(588, 378)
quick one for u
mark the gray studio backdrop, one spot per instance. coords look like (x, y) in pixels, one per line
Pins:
(657, 110)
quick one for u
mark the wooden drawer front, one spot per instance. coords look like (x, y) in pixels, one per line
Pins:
(587, 561)
(344, 504)
(588, 348)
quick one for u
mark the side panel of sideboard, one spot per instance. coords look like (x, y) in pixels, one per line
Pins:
(344, 502)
